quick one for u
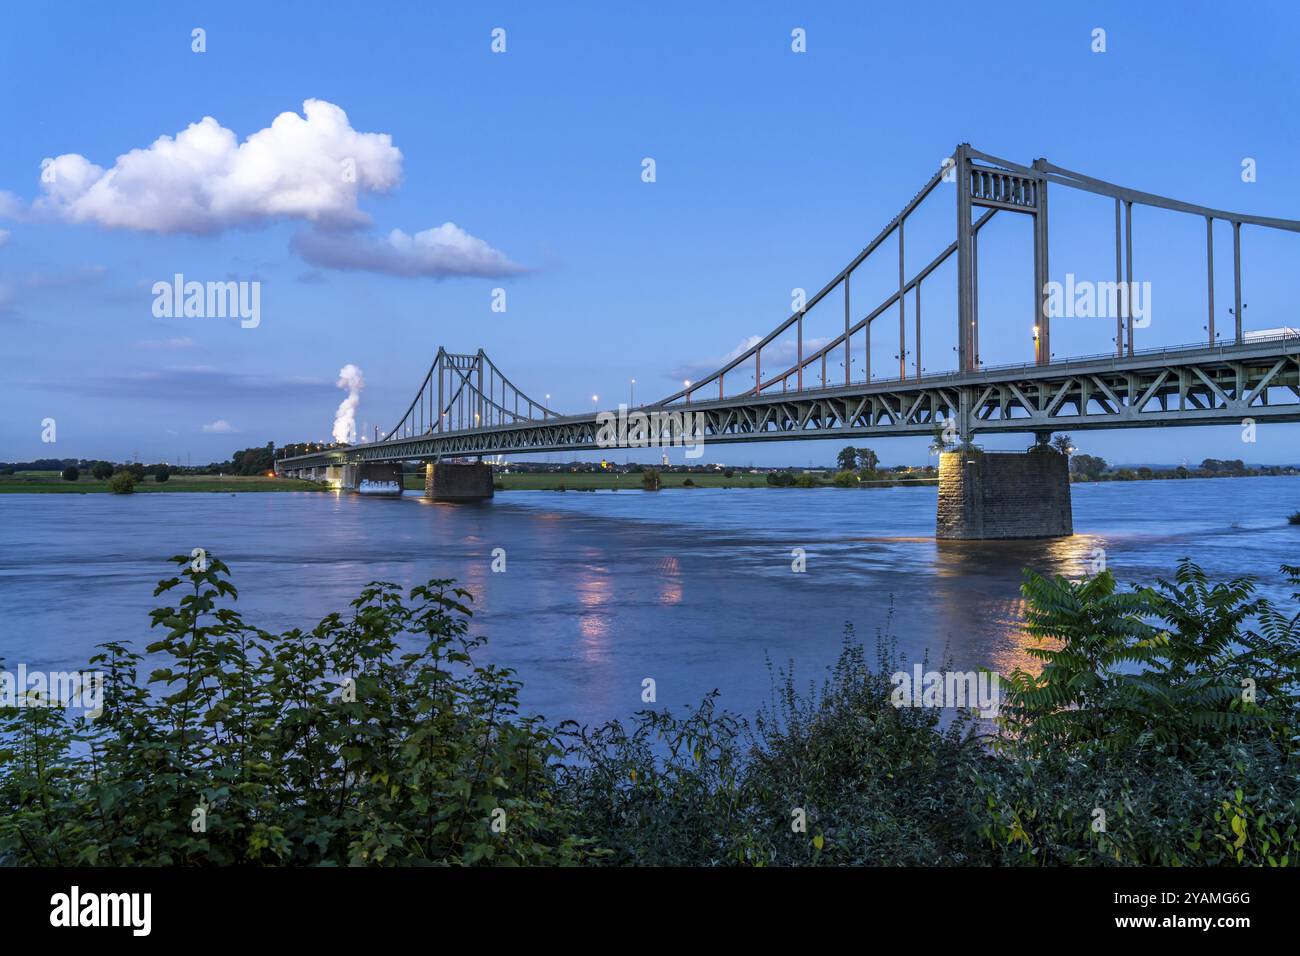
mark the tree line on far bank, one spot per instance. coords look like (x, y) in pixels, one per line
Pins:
(863, 464)
(119, 476)
(248, 461)
(1093, 468)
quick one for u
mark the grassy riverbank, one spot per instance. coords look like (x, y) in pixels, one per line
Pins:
(50, 482)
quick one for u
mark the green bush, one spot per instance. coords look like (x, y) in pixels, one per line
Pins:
(334, 746)
(121, 483)
(71, 473)
(162, 473)
(846, 479)
(101, 470)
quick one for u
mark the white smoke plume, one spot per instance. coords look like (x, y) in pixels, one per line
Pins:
(345, 419)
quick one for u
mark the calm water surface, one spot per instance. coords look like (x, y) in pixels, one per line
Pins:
(692, 587)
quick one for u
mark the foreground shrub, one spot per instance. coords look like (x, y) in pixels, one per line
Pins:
(1161, 730)
(327, 747)
(837, 775)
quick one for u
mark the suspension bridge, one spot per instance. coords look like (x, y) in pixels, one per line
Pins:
(466, 407)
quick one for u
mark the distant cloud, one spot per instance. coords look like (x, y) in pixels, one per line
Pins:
(11, 207)
(221, 426)
(204, 180)
(4, 237)
(446, 250)
(777, 357)
(64, 278)
(169, 345)
(193, 384)
(13, 288)
(312, 277)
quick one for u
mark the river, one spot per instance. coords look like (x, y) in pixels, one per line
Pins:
(691, 587)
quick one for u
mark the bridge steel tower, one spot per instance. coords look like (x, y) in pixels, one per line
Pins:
(1003, 495)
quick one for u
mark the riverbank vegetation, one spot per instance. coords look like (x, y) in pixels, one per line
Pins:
(636, 481)
(610, 481)
(1161, 729)
(1093, 468)
(52, 482)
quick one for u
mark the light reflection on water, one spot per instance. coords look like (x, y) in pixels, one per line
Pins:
(693, 588)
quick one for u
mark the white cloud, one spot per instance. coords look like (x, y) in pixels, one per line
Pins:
(203, 180)
(4, 237)
(221, 426)
(446, 250)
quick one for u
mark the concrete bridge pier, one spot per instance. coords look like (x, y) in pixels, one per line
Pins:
(379, 479)
(457, 482)
(986, 495)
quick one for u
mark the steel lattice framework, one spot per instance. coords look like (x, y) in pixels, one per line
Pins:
(463, 392)
(466, 407)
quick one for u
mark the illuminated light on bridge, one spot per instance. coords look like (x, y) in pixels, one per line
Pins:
(466, 408)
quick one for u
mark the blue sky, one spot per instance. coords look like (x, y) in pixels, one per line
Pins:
(772, 170)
